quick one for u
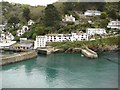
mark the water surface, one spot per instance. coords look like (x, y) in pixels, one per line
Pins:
(62, 71)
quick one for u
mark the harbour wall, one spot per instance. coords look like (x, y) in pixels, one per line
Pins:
(17, 57)
(89, 53)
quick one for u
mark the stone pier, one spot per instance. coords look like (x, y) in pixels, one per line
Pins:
(17, 57)
(89, 53)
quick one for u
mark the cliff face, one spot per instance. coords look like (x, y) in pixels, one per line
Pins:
(105, 48)
(94, 48)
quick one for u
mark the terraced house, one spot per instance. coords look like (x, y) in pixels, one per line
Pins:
(41, 41)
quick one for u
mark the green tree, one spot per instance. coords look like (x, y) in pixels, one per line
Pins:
(69, 6)
(119, 5)
(52, 16)
(103, 15)
(39, 30)
(13, 21)
(104, 23)
(112, 14)
(26, 14)
(34, 35)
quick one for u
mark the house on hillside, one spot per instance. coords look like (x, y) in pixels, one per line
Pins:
(114, 24)
(92, 13)
(6, 40)
(22, 31)
(2, 27)
(68, 18)
(30, 22)
(6, 35)
(93, 31)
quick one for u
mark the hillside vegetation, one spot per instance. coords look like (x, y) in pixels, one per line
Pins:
(49, 19)
(98, 43)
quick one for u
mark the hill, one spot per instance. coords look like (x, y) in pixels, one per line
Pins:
(14, 9)
(110, 11)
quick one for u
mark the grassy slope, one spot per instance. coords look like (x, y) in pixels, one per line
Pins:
(79, 44)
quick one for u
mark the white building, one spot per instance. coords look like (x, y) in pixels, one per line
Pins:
(30, 22)
(92, 13)
(7, 36)
(114, 24)
(58, 37)
(22, 31)
(2, 27)
(40, 42)
(6, 43)
(90, 22)
(68, 18)
(6, 40)
(79, 36)
(93, 31)
(23, 39)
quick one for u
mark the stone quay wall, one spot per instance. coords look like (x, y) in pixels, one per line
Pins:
(17, 57)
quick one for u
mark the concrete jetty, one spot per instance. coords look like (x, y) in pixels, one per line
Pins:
(17, 57)
(89, 53)
(47, 51)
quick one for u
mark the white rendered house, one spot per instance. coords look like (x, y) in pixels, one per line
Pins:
(40, 42)
(2, 27)
(68, 18)
(92, 13)
(93, 31)
(7, 36)
(6, 43)
(58, 37)
(114, 24)
(30, 22)
(6, 40)
(79, 36)
(22, 31)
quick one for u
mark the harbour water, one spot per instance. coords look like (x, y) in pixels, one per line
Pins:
(62, 70)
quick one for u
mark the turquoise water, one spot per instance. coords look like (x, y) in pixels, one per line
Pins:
(62, 71)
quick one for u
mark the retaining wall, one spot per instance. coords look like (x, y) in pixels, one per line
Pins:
(17, 57)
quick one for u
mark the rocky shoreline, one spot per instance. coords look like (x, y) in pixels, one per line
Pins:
(94, 48)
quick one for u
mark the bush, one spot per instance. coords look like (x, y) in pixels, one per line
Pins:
(103, 15)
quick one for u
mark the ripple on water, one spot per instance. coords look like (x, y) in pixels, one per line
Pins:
(62, 71)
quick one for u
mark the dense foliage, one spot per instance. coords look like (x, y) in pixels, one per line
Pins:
(26, 14)
(49, 19)
(52, 16)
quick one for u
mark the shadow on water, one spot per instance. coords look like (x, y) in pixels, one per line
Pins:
(27, 64)
(51, 74)
(112, 57)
